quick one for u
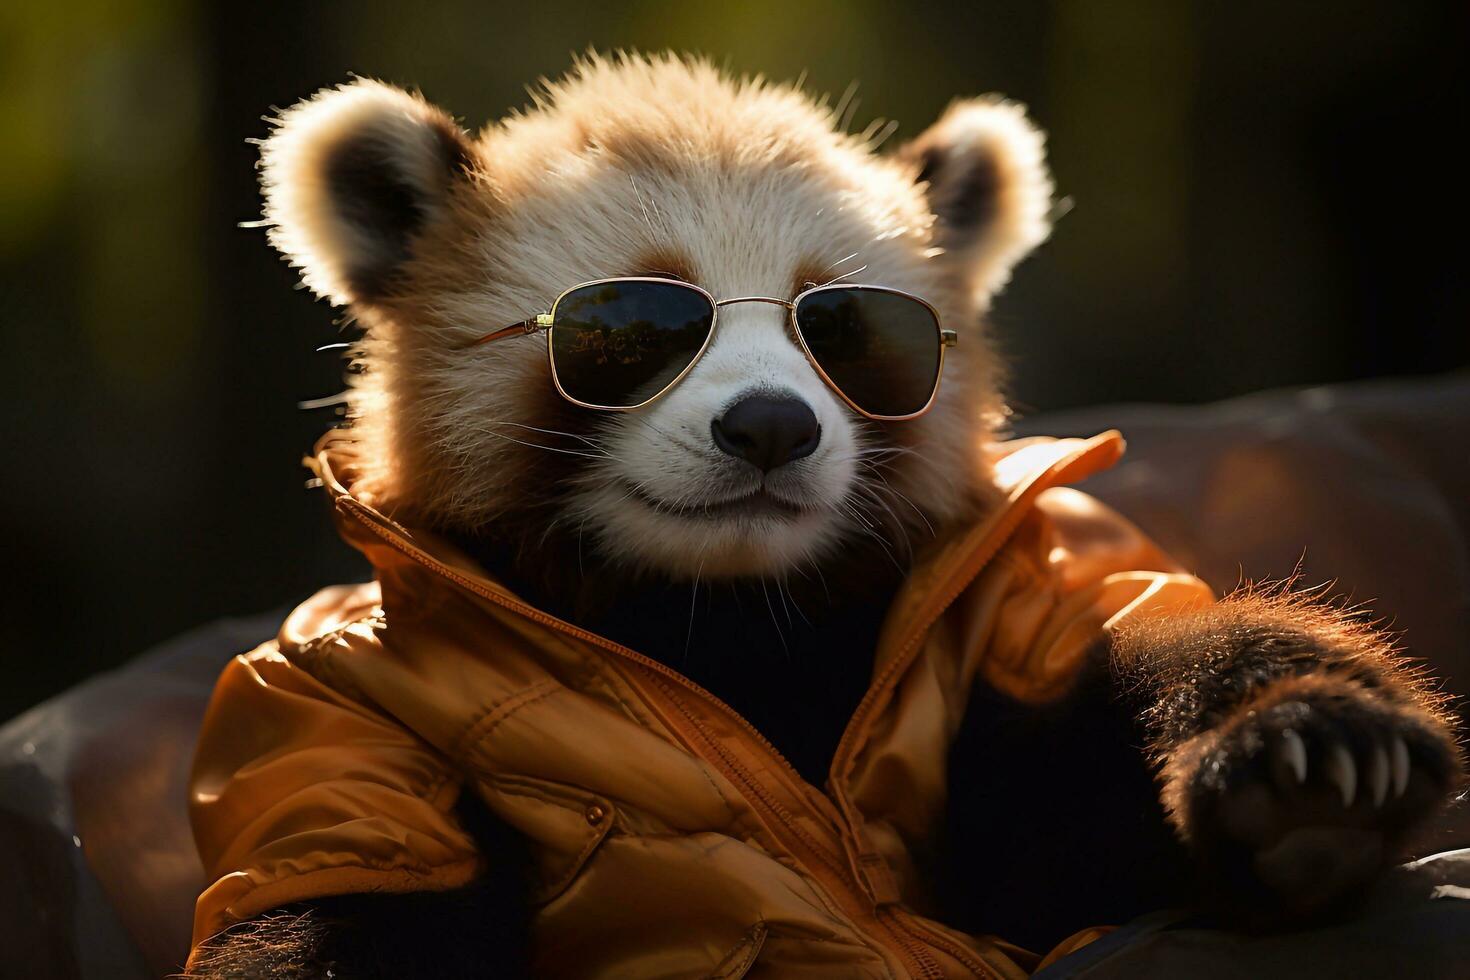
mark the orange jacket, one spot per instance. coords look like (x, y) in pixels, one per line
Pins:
(671, 839)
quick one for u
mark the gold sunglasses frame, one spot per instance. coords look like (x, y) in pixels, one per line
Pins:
(547, 322)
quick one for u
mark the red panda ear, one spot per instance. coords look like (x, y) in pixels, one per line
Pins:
(983, 167)
(350, 176)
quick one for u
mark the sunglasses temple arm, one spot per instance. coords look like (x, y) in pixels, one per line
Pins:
(540, 321)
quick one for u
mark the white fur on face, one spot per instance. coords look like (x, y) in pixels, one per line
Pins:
(642, 498)
(749, 190)
(651, 497)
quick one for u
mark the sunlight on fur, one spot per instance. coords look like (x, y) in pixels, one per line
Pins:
(625, 167)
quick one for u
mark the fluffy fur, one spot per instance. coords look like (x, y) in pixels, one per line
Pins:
(1294, 749)
(632, 166)
(985, 165)
(1268, 714)
(314, 170)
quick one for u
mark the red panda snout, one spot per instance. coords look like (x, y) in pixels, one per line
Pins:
(768, 431)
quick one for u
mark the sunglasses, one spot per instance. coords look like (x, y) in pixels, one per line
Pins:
(617, 345)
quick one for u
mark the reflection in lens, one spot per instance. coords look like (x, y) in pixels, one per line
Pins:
(882, 349)
(618, 344)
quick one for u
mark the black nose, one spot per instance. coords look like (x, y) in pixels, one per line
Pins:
(768, 431)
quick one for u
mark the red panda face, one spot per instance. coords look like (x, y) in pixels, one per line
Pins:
(751, 465)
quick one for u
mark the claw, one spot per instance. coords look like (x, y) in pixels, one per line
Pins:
(1294, 754)
(1378, 775)
(1342, 773)
(1400, 753)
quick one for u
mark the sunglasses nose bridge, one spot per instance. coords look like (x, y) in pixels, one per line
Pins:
(787, 313)
(774, 301)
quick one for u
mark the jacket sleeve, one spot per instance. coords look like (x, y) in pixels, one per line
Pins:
(299, 792)
(1074, 571)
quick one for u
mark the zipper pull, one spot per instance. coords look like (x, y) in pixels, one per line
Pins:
(877, 878)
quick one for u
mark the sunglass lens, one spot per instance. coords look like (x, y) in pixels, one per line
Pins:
(619, 343)
(880, 348)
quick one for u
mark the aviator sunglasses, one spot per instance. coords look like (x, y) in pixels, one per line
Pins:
(617, 345)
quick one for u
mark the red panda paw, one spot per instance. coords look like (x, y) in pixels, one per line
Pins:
(1303, 796)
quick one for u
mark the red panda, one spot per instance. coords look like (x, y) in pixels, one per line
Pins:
(745, 520)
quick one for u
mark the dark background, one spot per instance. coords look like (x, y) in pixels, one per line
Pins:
(1265, 194)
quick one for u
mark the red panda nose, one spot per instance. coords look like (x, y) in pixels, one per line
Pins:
(768, 431)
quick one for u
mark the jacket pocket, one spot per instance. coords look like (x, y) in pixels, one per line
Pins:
(565, 827)
(742, 957)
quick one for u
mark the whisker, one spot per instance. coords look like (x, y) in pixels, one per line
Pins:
(646, 219)
(693, 601)
(550, 527)
(774, 621)
(550, 449)
(890, 488)
(848, 508)
(887, 551)
(823, 579)
(840, 261)
(555, 432)
(897, 525)
(655, 428)
(781, 594)
(797, 606)
(869, 529)
(854, 272)
(887, 451)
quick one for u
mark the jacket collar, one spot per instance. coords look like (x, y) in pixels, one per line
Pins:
(1022, 469)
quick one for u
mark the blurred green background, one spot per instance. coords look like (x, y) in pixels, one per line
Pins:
(1265, 194)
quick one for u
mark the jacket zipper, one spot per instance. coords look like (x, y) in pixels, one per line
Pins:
(896, 668)
(561, 625)
(924, 963)
(975, 563)
(907, 934)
